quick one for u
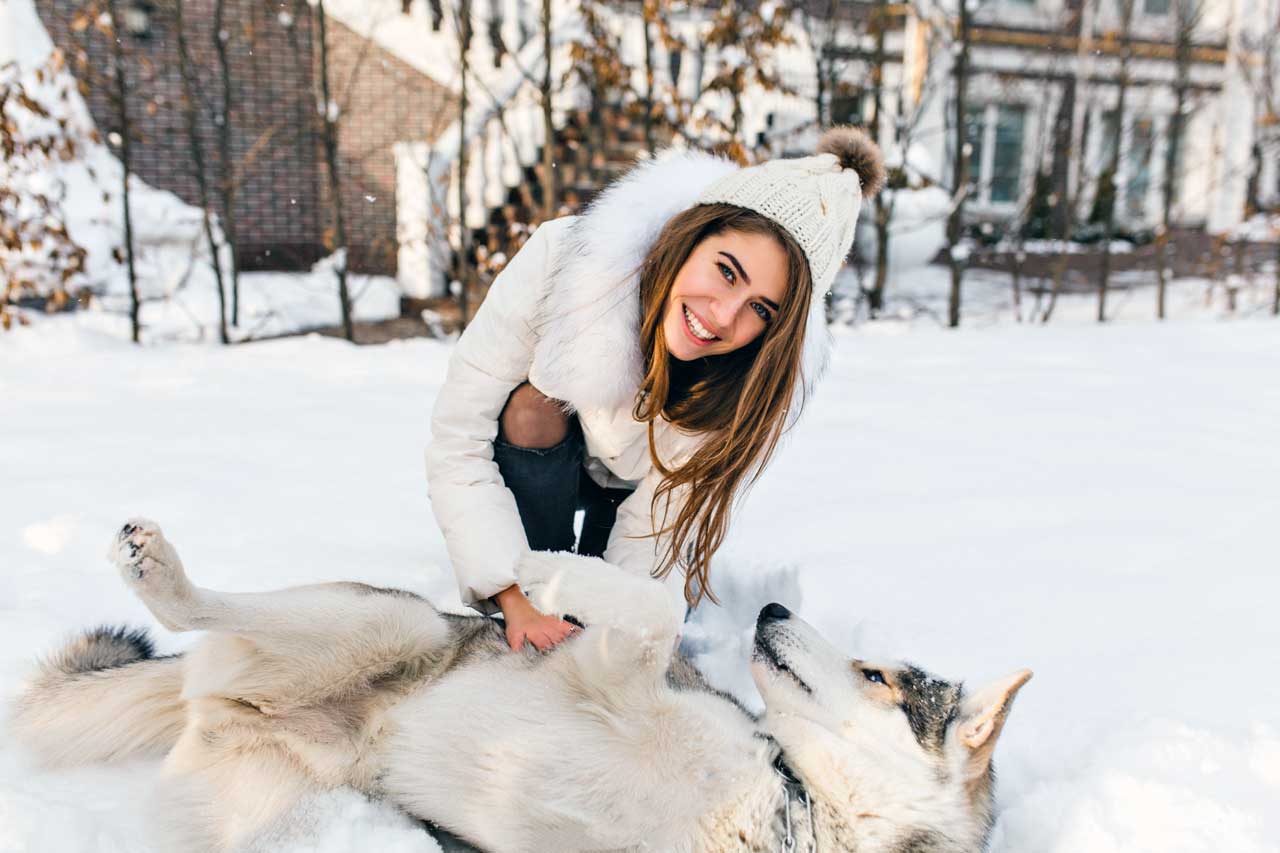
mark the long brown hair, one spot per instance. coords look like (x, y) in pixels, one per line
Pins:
(739, 400)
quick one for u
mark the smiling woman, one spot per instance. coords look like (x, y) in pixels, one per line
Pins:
(639, 363)
(715, 306)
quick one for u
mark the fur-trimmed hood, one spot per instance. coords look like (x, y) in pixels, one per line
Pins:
(588, 351)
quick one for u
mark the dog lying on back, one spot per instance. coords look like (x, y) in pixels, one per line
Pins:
(610, 742)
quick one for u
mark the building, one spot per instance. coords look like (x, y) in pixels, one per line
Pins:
(273, 60)
(1042, 100)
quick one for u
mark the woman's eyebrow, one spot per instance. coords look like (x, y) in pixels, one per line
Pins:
(741, 271)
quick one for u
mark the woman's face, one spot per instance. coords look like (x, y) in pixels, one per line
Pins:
(725, 295)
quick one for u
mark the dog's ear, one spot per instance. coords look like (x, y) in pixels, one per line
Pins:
(982, 716)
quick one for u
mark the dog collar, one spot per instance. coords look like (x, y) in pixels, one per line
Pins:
(793, 788)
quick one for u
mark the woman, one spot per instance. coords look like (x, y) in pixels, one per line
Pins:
(640, 362)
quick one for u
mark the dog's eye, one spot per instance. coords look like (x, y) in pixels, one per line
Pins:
(873, 675)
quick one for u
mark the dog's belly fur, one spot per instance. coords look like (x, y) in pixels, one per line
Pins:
(571, 767)
(580, 772)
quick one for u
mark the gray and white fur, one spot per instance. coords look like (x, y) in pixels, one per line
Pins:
(611, 742)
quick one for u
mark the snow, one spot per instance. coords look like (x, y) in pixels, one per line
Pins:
(168, 232)
(1094, 502)
(175, 275)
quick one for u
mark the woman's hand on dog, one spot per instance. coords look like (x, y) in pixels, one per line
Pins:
(525, 623)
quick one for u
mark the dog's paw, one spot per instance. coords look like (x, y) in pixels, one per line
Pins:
(146, 559)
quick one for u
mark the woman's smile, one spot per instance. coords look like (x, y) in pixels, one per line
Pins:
(697, 329)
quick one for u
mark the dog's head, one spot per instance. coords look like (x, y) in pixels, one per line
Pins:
(894, 758)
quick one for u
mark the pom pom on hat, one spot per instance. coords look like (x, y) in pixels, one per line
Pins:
(855, 150)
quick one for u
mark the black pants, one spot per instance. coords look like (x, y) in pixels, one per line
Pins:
(550, 485)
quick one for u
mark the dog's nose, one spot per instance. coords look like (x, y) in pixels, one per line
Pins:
(774, 610)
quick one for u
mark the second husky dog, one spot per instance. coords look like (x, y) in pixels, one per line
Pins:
(610, 743)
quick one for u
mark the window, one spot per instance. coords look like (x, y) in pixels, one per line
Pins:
(974, 130)
(1155, 7)
(1110, 138)
(1179, 156)
(1138, 167)
(1006, 167)
(994, 133)
(846, 109)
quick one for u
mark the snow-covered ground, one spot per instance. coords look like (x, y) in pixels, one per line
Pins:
(1096, 503)
(271, 304)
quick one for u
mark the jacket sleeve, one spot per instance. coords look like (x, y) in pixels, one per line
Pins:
(633, 546)
(475, 511)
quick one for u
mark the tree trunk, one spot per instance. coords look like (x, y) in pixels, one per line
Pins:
(648, 11)
(1059, 273)
(1109, 229)
(1237, 280)
(1185, 25)
(548, 123)
(955, 222)
(1275, 297)
(126, 163)
(198, 157)
(875, 300)
(739, 83)
(464, 233)
(820, 97)
(335, 181)
(1017, 282)
(1162, 269)
(226, 163)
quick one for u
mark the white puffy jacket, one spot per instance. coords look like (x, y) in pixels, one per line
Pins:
(565, 315)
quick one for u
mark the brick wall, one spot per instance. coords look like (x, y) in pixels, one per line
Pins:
(383, 101)
(281, 213)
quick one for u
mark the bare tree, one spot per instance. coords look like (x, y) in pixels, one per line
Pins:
(1107, 189)
(883, 213)
(754, 32)
(596, 62)
(330, 116)
(120, 103)
(1187, 17)
(548, 120)
(1264, 78)
(667, 110)
(462, 256)
(820, 20)
(649, 11)
(1071, 136)
(956, 257)
(191, 99)
(1035, 213)
(227, 183)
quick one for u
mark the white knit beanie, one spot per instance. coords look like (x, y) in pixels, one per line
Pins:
(815, 198)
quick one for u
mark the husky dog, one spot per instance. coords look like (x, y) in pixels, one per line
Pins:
(611, 742)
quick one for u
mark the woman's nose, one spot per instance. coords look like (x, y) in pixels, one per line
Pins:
(723, 312)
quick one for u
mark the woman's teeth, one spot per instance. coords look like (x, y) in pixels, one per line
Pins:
(699, 330)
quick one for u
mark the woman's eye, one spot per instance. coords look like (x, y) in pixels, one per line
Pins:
(727, 272)
(873, 675)
(761, 310)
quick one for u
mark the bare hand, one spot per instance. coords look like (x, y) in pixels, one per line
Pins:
(525, 623)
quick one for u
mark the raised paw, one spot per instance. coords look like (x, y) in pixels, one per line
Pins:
(147, 561)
